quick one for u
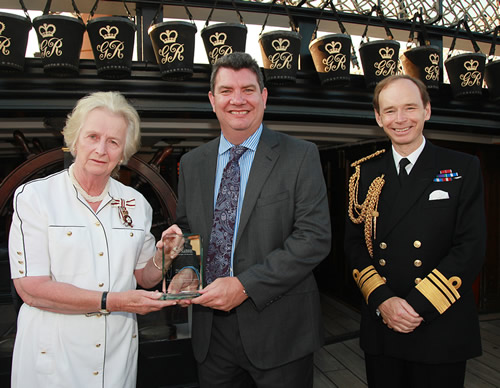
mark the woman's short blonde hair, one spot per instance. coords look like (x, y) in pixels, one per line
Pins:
(115, 103)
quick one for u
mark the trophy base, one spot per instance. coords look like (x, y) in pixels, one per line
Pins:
(180, 295)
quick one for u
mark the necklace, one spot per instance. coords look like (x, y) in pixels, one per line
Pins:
(88, 197)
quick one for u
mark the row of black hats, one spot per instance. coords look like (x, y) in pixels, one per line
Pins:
(112, 39)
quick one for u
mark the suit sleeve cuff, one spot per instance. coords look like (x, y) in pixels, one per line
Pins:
(372, 286)
(379, 296)
(434, 295)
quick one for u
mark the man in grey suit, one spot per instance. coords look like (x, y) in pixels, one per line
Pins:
(260, 325)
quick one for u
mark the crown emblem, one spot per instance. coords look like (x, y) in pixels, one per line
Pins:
(219, 38)
(280, 44)
(386, 52)
(168, 36)
(109, 32)
(471, 65)
(2, 27)
(333, 48)
(47, 30)
(434, 58)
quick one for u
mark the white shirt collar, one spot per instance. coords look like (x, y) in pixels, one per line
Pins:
(250, 143)
(413, 157)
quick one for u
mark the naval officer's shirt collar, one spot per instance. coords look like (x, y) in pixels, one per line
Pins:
(413, 157)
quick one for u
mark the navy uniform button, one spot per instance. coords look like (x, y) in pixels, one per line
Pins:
(383, 245)
(417, 244)
(417, 263)
(382, 262)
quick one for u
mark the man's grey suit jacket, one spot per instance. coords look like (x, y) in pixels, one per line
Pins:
(284, 232)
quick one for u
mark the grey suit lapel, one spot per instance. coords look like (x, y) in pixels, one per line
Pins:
(265, 158)
(401, 200)
(206, 171)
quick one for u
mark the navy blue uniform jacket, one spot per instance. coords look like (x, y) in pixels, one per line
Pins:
(429, 248)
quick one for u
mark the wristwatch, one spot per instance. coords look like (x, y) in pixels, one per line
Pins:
(104, 300)
(103, 310)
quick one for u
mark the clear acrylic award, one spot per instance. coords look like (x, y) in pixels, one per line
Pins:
(182, 279)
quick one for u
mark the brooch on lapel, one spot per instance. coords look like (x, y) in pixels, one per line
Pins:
(446, 176)
(122, 205)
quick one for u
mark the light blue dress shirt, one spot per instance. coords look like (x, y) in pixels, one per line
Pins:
(245, 163)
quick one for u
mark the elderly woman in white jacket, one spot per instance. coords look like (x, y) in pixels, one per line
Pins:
(79, 244)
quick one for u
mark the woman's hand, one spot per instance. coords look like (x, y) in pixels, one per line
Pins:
(44, 293)
(137, 301)
(171, 242)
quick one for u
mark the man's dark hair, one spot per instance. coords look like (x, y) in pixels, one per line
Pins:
(387, 81)
(237, 61)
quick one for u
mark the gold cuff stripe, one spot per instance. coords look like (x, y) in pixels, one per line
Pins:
(440, 287)
(368, 281)
(438, 290)
(366, 272)
(446, 286)
(438, 300)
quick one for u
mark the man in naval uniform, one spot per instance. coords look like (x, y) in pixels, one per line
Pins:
(415, 245)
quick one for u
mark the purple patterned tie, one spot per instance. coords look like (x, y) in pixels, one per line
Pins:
(221, 239)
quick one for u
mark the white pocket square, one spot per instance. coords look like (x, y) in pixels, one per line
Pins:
(438, 194)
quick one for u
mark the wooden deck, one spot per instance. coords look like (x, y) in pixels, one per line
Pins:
(340, 363)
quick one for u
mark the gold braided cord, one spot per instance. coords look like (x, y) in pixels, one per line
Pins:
(362, 160)
(367, 211)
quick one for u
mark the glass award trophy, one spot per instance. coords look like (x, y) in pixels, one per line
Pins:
(181, 279)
